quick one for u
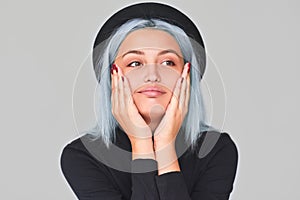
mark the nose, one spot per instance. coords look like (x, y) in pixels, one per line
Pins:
(152, 73)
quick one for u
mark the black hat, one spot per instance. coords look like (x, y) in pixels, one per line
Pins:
(151, 11)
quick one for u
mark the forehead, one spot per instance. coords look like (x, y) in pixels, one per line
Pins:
(148, 38)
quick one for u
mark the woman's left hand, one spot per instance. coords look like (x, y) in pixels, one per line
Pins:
(166, 132)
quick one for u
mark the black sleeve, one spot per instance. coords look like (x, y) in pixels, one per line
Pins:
(216, 182)
(90, 180)
(86, 177)
(172, 185)
(143, 184)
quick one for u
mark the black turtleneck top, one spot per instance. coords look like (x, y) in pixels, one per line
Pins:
(96, 172)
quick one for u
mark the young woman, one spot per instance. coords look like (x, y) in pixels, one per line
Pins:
(151, 140)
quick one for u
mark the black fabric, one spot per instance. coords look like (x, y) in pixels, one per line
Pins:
(149, 11)
(205, 178)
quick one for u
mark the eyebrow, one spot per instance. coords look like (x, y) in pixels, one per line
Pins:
(169, 51)
(134, 52)
(159, 54)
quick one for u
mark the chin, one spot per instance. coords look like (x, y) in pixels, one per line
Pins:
(152, 114)
(151, 108)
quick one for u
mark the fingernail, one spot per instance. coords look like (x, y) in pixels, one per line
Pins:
(115, 67)
(123, 78)
(181, 79)
(189, 67)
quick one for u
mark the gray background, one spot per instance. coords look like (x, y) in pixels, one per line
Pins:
(255, 45)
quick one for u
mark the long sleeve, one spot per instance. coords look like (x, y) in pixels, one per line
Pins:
(87, 178)
(143, 184)
(214, 175)
(90, 180)
(208, 178)
(216, 180)
(213, 182)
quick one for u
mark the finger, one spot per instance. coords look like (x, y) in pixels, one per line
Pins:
(176, 93)
(112, 89)
(188, 88)
(177, 90)
(127, 94)
(185, 70)
(182, 94)
(121, 99)
(127, 91)
(115, 91)
(187, 92)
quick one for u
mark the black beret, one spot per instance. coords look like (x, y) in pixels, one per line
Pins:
(151, 11)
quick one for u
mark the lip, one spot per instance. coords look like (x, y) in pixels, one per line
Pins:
(152, 92)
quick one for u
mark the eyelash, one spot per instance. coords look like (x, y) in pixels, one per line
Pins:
(130, 64)
(170, 63)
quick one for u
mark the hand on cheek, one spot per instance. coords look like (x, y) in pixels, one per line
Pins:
(127, 115)
(167, 130)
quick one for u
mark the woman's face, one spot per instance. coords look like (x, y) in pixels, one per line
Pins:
(152, 62)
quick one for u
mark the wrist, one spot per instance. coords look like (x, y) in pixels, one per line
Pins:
(142, 148)
(172, 167)
(167, 160)
(160, 144)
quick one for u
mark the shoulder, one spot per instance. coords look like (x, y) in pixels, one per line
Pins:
(77, 161)
(75, 153)
(71, 151)
(216, 163)
(84, 146)
(74, 147)
(212, 143)
(217, 155)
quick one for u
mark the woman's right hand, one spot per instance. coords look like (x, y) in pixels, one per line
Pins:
(127, 115)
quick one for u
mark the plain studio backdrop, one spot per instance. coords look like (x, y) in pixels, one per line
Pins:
(45, 51)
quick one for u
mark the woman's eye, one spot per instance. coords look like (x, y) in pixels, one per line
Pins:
(134, 64)
(168, 62)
